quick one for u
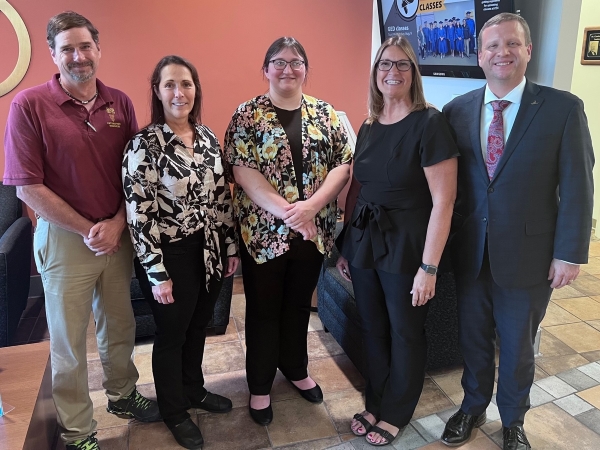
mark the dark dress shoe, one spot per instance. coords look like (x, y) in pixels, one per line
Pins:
(187, 434)
(459, 427)
(261, 416)
(213, 403)
(514, 438)
(313, 395)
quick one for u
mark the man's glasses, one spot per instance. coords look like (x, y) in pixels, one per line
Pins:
(403, 65)
(281, 64)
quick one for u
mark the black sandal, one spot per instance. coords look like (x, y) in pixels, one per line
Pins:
(364, 422)
(389, 437)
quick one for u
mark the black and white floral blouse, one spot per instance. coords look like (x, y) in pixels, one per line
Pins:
(170, 195)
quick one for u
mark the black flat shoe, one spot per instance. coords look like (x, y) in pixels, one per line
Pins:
(213, 403)
(261, 416)
(187, 434)
(459, 427)
(514, 438)
(313, 395)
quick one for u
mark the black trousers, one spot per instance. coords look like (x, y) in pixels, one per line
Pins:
(395, 345)
(278, 294)
(485, 308)
(181, 328)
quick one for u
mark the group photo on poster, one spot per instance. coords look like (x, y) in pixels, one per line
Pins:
(443, 33)
(448, 33)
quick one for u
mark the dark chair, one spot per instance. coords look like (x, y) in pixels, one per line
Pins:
(339, 315)
(15, 262)
(144, 321)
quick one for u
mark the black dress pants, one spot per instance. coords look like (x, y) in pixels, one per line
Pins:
(181, 328)
(395, 344)
(278, 294)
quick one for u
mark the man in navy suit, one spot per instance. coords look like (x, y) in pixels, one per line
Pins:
(521, 225)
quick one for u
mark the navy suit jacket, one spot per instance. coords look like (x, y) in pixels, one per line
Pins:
(539, 204)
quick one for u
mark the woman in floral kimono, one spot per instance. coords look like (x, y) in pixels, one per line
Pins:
(289, 160)
(179, 212)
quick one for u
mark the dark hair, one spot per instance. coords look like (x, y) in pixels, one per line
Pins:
(281, 44)
(65, 21)
(505, 17)
(157, 113)
(417, 95)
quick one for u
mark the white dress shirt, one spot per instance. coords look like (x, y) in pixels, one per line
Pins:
(509, 114)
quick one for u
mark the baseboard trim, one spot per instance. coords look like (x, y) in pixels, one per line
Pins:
(36, 289)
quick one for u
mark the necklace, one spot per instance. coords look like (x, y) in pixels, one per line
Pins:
(83, 102)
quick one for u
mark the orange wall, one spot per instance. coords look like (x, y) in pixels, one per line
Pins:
(225, 39)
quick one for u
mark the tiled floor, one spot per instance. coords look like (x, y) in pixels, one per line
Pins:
(565, 397)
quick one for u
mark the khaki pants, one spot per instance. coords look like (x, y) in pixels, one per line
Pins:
(76, 282)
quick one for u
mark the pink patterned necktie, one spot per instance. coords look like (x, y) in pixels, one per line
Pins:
(495, 140)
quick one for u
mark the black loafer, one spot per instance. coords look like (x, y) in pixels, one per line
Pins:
(313, 395)
(213, 403)
(514, 438)
(187, 434)
(261, 416)
(459, 427)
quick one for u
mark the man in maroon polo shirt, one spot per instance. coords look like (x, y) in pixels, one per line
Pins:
(64, 143)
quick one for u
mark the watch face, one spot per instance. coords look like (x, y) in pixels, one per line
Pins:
(432, 270)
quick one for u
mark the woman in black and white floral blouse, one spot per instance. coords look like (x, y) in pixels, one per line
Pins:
(179, 213)
(290, 159)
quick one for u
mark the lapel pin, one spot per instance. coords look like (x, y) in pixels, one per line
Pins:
(534, 102)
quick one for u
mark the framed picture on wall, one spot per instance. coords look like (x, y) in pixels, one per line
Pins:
(590, 53)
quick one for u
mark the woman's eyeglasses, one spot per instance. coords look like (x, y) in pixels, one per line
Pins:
(281, 64)
(403, 65)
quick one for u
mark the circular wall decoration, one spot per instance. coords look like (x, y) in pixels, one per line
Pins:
(24, 48)
(407, 8)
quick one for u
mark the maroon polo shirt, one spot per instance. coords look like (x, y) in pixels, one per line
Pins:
(48, 141)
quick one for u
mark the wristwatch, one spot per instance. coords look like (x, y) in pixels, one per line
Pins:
(430, 270)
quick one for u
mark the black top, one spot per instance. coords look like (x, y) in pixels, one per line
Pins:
(291, 121)
(388, 226)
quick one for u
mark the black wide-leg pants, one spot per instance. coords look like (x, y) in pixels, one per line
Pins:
(278, 295)
(395, 344)
(181, 328)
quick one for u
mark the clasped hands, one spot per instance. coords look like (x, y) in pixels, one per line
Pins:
(299, 217)
(104, 238)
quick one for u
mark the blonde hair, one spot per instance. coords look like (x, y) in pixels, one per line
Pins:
(417, 96)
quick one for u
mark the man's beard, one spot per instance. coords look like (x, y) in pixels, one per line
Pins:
(81, 77)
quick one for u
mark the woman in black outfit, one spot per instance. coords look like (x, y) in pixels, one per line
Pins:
(405, 164)
(179, 212)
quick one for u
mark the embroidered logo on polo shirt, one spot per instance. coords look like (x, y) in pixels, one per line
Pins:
(111, 115)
